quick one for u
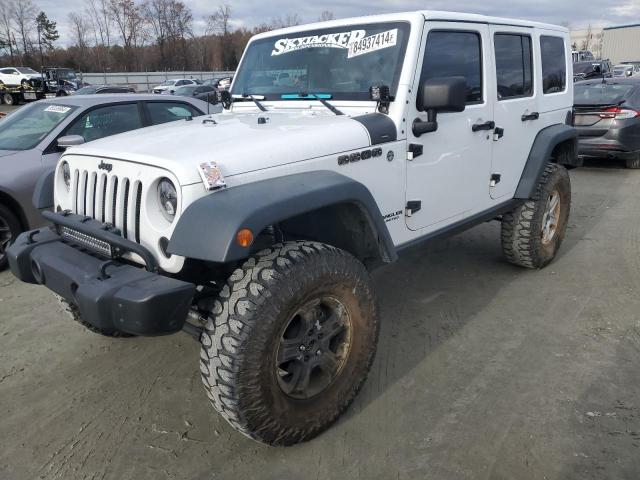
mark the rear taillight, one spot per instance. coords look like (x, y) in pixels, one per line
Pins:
(619, 113)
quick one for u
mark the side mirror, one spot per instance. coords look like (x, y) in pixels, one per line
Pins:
(445, 94)
(212, 98)
(70, 141)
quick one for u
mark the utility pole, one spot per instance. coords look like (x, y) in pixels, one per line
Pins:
(40, 46)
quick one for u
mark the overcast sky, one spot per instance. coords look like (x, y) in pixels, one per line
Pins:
(578, 13)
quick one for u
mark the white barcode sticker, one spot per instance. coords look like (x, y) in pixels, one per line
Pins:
(373, 43)
(57, 109)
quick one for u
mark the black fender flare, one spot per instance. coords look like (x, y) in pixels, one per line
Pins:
(207, 229)
(43, 192)
(546, 140)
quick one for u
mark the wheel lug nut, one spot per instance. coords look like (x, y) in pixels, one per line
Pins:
(318, 352)
(302, 348)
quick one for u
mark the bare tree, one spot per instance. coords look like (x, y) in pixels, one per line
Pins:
(290, 20)
(128, 20)
(171, 23)
(24, 22)
(98, 12)
(326, 15)
(80, 29)
(6, 27)
(218, 23)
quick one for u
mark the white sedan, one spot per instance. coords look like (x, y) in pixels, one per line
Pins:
(173, 84)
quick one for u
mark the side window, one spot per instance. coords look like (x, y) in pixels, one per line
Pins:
(513, 65)
(164, 112)
(454, 53)
(104, 121)
(554, 67)
(5, 71)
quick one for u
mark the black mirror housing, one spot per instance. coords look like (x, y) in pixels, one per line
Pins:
(445, 94)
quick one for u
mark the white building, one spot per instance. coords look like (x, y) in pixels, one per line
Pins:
(622, 44)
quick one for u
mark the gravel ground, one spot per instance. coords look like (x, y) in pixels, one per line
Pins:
(484, 371)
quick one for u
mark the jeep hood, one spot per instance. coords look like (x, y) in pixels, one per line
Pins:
(238, 142)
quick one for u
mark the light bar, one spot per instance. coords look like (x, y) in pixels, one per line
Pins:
(87, 241)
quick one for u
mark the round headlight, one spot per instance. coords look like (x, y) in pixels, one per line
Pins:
(66, 174)
(168, 198)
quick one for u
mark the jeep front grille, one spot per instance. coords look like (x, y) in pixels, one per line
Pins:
(109, 199)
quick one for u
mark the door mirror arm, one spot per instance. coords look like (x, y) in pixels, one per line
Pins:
(420, 127)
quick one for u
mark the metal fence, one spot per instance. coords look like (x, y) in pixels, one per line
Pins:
(145, 81)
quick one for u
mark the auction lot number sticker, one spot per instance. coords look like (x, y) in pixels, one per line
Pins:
(372, 43)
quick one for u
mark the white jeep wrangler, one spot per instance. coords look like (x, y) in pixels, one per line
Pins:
(255, 229)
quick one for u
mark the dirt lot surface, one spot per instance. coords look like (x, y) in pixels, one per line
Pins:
(484, 371)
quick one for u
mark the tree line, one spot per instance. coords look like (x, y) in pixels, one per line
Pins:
(128, 35)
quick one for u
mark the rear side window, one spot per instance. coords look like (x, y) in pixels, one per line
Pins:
(105, 121)
(452, 54)
(554, 67)
(513, 65)
(164, 112)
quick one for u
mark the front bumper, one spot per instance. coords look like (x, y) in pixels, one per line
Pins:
(110, 294)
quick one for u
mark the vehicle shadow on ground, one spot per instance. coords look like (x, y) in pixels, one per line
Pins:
(436, 288)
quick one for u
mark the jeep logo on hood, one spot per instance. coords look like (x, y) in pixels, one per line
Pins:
(105, 166)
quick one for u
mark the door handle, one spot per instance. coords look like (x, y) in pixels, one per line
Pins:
(490, 125)
(530, 116)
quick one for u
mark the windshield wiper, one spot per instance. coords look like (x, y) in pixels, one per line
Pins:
(315, 96)
(254, 98)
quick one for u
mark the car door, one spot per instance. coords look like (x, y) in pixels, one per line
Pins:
(10, 76)
(515, 111)
(4, 72)
(449, 178)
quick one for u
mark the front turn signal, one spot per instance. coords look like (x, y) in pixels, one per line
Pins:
(244, 237)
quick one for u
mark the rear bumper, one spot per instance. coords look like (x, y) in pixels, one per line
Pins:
(109, 294)
(610, 151)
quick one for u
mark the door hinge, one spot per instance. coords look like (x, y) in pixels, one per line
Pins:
(495, 179)
(412, 207)
(415, 150)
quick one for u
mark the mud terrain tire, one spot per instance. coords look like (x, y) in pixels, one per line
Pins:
(250, 320)
(524, 239)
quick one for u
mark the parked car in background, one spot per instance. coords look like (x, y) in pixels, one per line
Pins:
(607, 117)
(224, 83)
(33, 138)
(582, 55)
(626, 70)
(170, 85)
(93, 89)
(220, 83)
(62, 81)
(193, 90)
(592, 69)
(19, 76)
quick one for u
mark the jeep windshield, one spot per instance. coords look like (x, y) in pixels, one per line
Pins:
(342, 62)
(66, 74)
